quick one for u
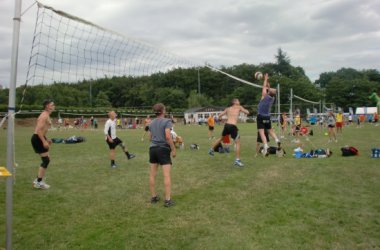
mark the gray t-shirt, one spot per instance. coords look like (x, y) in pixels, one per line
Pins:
(157, 129)
(264, 105)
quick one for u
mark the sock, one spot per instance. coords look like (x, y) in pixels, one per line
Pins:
(266, 145)
(112, 162)
(127, 153)
(39, 179)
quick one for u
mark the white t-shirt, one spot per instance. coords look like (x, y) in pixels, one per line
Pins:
(110, 128)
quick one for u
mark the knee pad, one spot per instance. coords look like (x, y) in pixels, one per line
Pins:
(45, 161)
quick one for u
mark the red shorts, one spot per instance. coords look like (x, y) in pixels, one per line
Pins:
(339, 124)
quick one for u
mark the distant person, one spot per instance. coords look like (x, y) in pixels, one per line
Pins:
(331, 126)
(211, 125)
(41, 143)
(147, 122)
(283, 123)
(112, 140)
(268, 95)
(231, 129)
(160, 150)
(339, 121)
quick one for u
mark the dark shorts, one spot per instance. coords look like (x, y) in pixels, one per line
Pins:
(331, 126)
(160, 155)
(298, 128)
(37, 144)
(146, 128)
(263, 122)
(232, 130)
(211, 128)
(259, 137)
(115, 142)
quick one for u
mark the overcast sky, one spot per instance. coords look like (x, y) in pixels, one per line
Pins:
(318, 35)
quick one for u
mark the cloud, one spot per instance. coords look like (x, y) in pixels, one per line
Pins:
(318, 35)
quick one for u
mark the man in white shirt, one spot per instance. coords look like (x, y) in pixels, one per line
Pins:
(112, 140)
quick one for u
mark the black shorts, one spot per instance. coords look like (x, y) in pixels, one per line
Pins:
(37, 144)
(160, 155)
(331, 126)
(263, 122)
(232, 130)
(146, 128)
(115, 142)
(211, 128)
(259, 137)
(298, 128)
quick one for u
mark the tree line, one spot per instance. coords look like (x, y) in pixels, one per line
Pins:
(178, 88)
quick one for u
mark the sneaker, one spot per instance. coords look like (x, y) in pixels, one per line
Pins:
(169, 203)
(265, 151)
(154, 199)
(131, 156)
(40, 185)
(238, 163)
(113, 166)
(211, 152)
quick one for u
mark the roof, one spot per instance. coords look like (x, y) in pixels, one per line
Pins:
(204, 109)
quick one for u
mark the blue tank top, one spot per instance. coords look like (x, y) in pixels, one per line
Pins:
(264, 105)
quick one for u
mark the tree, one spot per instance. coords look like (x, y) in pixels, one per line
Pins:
(102, 100)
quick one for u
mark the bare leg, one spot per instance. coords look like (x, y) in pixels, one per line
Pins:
(167, 181)
(237, 143)
(152, 177)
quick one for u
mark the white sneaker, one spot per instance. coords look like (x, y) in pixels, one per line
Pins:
(238, 163)
(265, 150)
(40, 185)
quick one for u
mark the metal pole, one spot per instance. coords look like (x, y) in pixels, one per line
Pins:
(199, 83)
(291, 104)
(90, 93)
(279, 109)
(10, 131)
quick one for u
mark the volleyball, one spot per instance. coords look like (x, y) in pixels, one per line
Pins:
(258, 75)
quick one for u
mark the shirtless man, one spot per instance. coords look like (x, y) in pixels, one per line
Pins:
(230, 128)
(147, 122)
(41, 144)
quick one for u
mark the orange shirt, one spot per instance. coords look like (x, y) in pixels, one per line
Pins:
(211, 121)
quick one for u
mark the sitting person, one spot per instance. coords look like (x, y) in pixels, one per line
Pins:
(178, 140)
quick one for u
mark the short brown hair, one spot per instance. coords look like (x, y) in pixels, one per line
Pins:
(158, 108)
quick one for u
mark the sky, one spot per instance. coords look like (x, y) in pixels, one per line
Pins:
(318, 35)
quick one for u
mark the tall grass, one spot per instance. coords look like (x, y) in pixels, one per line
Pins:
(272, 203)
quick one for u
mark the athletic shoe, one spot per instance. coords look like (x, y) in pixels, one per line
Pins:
(113, 166)
(265, 151)
(169, 203)
(211, 152)
(238, 163)
(154, 199)
(131, 156)
(40, 185)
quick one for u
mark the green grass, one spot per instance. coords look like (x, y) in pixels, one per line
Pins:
(272, 203)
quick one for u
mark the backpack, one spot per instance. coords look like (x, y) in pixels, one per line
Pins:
(349, 151)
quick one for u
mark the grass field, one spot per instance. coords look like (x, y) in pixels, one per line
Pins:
(272, 203)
